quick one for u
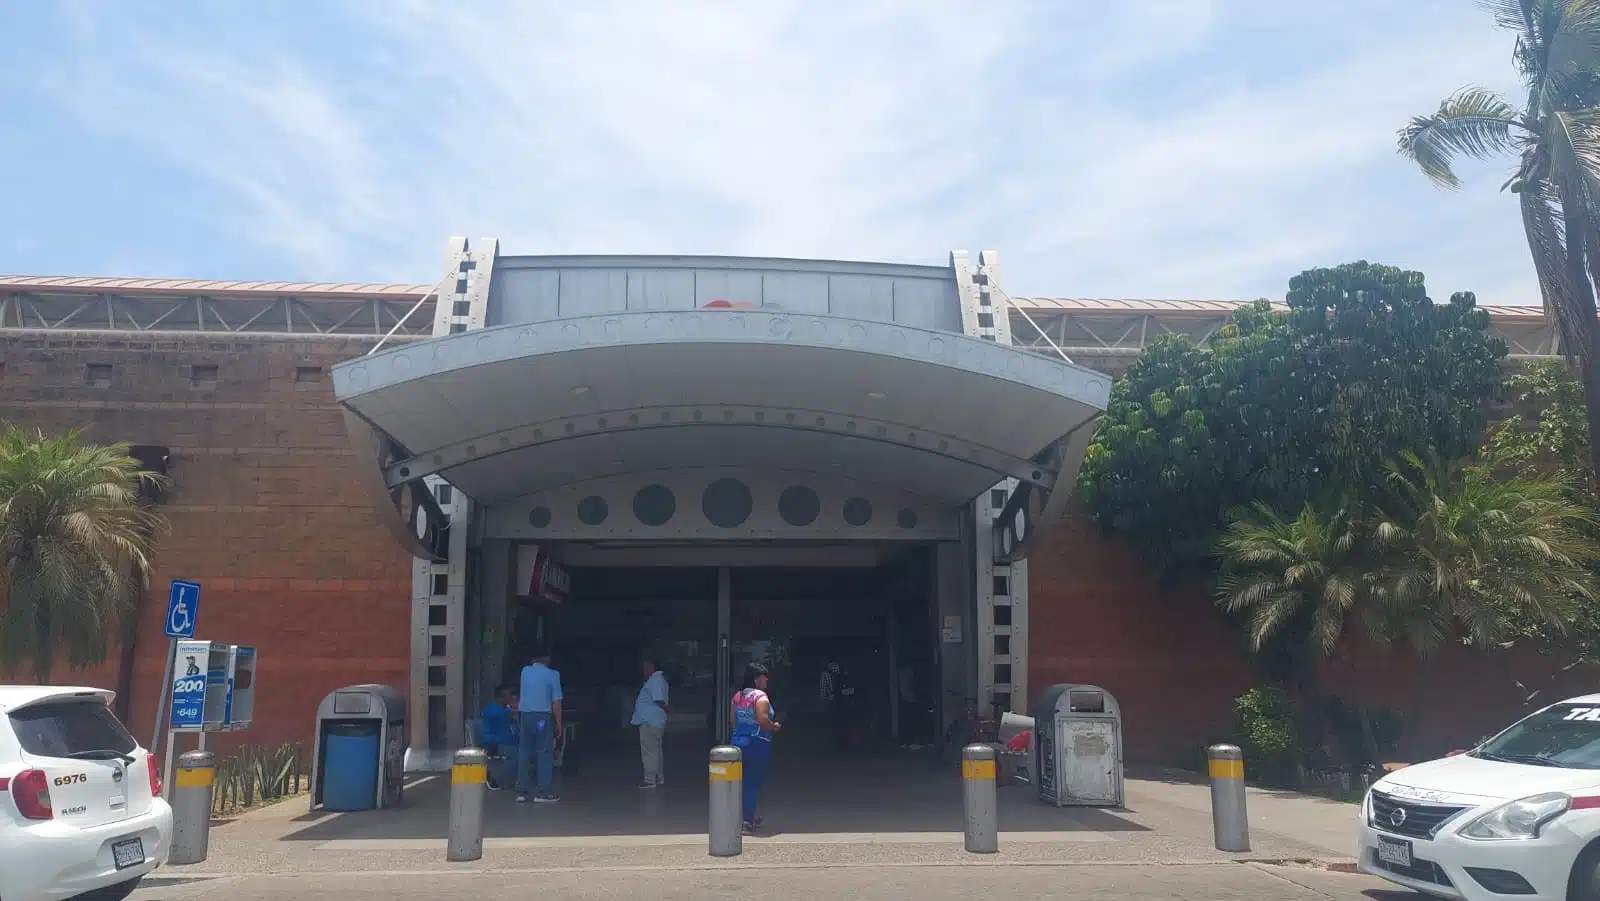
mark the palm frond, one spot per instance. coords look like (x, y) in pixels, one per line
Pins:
(1473, 122)
(1563, 53)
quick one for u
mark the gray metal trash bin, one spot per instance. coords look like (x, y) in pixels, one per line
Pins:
(374, 716)
(1078, 746)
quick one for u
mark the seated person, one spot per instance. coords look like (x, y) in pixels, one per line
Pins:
(498, 732)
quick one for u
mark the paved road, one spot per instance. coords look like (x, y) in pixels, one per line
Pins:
(962, 882)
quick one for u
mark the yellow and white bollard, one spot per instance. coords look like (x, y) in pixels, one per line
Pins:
(980, 799)
(192, 785)
(469, 782)
(1229, 821)
(727, 801)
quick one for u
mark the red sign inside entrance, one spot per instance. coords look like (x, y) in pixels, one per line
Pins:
(551, 582)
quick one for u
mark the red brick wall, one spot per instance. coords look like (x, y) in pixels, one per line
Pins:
(266, 514)
(1175, 663)
(1169, 658)
(265, 510)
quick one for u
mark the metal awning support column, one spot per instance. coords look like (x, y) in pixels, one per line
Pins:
(438, 702)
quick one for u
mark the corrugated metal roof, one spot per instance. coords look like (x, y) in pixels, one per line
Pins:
(189, 286)
(1136, 306)
(58, 284)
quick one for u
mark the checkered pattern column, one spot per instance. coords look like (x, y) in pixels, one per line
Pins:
(439, 586)
(1001, 590)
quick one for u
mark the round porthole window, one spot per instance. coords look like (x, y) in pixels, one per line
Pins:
(907, 518)
(799, 505)
(727, 503)
(592, 510)
(654, 505)
(539, 517)
(858, 511)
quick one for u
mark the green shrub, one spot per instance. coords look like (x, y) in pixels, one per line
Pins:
(1265, 721)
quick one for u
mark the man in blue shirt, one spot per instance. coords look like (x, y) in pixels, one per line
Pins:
(539, 705)
(497, 730)
(650, 715)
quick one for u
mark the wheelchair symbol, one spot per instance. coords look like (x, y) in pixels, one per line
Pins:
(179, 622)
(182, 607)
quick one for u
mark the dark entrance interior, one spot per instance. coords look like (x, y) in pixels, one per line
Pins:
(876, 622)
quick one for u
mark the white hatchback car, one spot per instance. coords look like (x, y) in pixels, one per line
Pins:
(1518, 816)
(81, 814)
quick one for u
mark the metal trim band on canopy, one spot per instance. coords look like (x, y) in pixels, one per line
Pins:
(551, 431)
(739, 326)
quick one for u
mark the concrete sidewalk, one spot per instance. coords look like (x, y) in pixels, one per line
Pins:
(1214, 882)
(883, 812)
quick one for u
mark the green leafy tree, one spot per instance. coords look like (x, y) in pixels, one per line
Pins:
(1362, 367)
(1549, 433)
(1555, 138)
(1550, 428)
(75, 545)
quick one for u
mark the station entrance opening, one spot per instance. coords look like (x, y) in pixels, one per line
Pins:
(702, 625)
(802, 461)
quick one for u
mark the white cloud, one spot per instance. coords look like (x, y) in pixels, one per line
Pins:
(881, 129)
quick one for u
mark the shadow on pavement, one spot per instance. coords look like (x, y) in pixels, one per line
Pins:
(882, 792)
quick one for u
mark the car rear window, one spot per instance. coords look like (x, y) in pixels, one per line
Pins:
(68, 728)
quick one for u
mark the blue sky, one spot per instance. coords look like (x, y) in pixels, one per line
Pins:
(1146, 148)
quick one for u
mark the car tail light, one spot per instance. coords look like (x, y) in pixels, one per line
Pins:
(155, 775)
(30, 789)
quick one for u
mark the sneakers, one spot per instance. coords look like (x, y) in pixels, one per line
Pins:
(522, 799)
(547, 798)
(493, 786)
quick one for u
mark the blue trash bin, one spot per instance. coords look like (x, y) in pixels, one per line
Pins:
(350, 766)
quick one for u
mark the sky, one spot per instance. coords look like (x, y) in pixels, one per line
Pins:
(1143, 148)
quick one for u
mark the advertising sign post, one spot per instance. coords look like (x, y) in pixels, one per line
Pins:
(183, 612)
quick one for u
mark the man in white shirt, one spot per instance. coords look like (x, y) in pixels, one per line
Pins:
(650, 715)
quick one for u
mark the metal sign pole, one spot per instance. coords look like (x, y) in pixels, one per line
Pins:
(166, 768)
(161, 696)
(183, 611)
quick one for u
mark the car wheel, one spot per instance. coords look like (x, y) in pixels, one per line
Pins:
(1586, 876)
(111, 892)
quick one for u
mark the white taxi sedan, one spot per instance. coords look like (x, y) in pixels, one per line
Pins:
(81, 814)
(1517, 817)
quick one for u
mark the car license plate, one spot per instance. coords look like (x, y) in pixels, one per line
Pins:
(1394, 852)
(128, 853)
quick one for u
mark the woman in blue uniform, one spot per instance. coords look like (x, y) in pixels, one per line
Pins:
(753, 726)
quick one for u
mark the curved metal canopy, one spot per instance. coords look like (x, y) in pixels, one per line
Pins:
(506, 411)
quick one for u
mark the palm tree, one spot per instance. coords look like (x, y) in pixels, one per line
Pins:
(1555, 136)
(1297, 583)
(75, 546)
(1468, 552)
(1304, 575)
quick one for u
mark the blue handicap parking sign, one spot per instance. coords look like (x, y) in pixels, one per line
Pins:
(183, 609)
